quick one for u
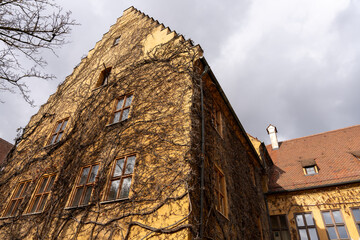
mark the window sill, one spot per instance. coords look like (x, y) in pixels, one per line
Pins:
(114, 201)
(311, 174)
(79, 207)
(117, 123)
(51, 145)
(99, 87)
(222, 215)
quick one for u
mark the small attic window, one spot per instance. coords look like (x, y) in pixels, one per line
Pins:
(116, 41)
(311, 170)
(104, 77)
(309, 166)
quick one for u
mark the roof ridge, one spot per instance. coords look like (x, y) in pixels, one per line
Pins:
(318, 134)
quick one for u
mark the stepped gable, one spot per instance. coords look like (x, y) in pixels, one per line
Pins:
(335, 153)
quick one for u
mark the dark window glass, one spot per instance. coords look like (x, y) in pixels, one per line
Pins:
(120, 182)
(85, 185)
(122, 109)
(42, 193)
(306, 226)
(335, 225)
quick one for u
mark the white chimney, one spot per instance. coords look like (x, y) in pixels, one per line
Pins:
(273, 138)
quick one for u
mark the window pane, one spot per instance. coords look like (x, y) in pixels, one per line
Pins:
(331, 232)
(285, 235)
(77, 196)
(36, 202)
(356, 213)
(312, 233)
(10, 209)
(125, 188)
(84, 175)
(309, 219)
(337, 216)
(42, 203)
(93, 173)
(113, 189)
(277, 235)
(87, 195)
(130, 165)
(43, 184)
(310, 170)
(303, 234)
(125, 114)
(342, 232)
(116, 117)
(19, 190)
(50, 184)
(59, 137)
(274, 222)
(53, 139)
(58, 127)
(299, 220)
(283, 222)
(26, 186)
(64, 125)
(120, 104)
(119, 167)
(327, 217)
(128, 101)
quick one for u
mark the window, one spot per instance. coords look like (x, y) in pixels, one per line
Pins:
(122, 109)
(104, 77)
(84, 186)
(121, 177)
(17, 198)
(220, 192)
(116, 41)
(58, 131)
(280, 229)
(356, 215)
(217, 120)
(335, 225)
(311, 170)
(306, 226)
(42, 193)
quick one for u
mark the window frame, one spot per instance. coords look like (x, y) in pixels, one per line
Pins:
(104, 76)
(60, 131)
(306, 226)
(45, 194)
(357, 223)
(84, 186)
(18, 200)
(281, 228)
(316, 170)
(120, 177)
(334, 224)
(117, 40)
(217, 119)
(220, 182)
(123, 107)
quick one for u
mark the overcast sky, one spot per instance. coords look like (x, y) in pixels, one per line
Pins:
(294, 64)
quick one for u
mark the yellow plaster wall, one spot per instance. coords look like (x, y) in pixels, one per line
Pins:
(341, 198)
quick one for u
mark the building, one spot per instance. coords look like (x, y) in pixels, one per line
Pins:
(138, 142)
(5, 147)
(314, 189)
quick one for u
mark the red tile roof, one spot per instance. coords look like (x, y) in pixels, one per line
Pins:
(4, 149)
(333, 152)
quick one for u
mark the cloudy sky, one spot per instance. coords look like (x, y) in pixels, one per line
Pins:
(294, 64)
